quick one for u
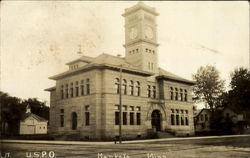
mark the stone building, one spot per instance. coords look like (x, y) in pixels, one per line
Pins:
(85, 100)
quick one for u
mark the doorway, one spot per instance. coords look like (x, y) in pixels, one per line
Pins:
(156, 120)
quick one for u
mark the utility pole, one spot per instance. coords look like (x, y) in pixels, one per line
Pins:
(120, 110)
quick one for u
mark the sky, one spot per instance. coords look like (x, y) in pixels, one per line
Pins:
(38, 37)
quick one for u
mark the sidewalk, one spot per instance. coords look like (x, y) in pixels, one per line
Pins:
(123, 142)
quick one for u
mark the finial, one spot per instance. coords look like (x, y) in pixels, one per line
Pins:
(28, 109)
(80, 49)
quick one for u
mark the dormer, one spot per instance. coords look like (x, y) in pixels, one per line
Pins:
(80, 62)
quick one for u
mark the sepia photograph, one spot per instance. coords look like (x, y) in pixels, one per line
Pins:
(124, 79)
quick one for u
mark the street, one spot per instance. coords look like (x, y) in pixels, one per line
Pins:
(201, 148)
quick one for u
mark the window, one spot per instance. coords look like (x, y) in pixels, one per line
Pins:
(77, 89)
(117, 118)
(206, 118)
(171, 93)
(62, 92)
(172, 119)
(129, 52)
(67, 91)
(117, 107)
(186, 111)
(176, 94)
(152, 66)
(137, 50)
(131, 88)
(201, 117)
(82, 87)
(131, 114)
(177, 119)
(203, 125)
(149, 91)
(71, 90)
(146, 49)
(149, 65)
(182, 121)
(186, 121)
(117, 85)
(131, 108)
(154, 91)
(138, 88)
(172, 110)
(138, 108)
(87, 115)
(185, 95)
(73, 121)
(124, 86)
(62, 120)
(87, 86)
(124, 107)
(181, 94)
(138, 118)
(124, 118)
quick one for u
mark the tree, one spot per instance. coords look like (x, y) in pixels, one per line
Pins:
(13, 109)
(208, 85)
(238, 98)
(37, 107)
(11, 113)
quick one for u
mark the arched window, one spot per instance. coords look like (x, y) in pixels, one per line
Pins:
(149, 91)
(138, 88)
(87, 86)
(181, 94)
(62, 92)
(76, 89)
(124, 86)
(82, 87)
(176, 94)
(117, 85)
(154, 91)
(71, 90)
(185, 95)
(171, 93)
(182, 121)
(131, 86)
(67, 91)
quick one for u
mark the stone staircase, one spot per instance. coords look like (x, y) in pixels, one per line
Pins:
(70, 136)
(165, 135)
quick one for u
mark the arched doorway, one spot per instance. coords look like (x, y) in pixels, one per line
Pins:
(74, 120)
(156, 120)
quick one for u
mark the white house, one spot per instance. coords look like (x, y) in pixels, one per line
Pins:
(32, 124)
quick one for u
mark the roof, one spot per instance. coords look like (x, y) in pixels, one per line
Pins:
(38, 118)
(105, 61)
(197, 112)
(50, 89)
(85, 59)
(138, 6)
(163, 74)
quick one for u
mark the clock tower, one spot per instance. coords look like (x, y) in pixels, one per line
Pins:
(141, 37)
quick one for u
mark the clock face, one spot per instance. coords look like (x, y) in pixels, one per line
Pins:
(133, 33)
(149, 32)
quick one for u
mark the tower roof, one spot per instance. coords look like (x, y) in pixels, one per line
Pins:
(140, 6)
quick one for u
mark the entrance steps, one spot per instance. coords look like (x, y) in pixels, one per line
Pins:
(68, 136)
(161, 134)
